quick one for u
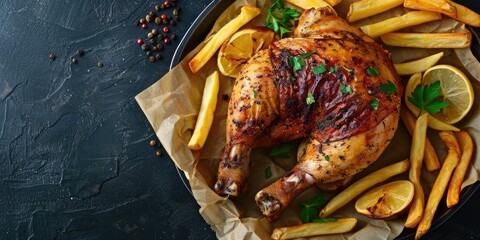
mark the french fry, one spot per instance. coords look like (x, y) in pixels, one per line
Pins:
(428, 40)
(434, 123)
(418, 146)
(307, 4)
(332, 3)
(466, 147)
(247, 13)
(363, 184)
(420, 65)
(207, 109)
(395, 23)
(441, 182)
(366, 8)
(430, 156)
(466, 15)
(342, 225)
(440, 6)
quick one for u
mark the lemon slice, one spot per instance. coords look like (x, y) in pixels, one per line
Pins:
(386, 201)
(236, 51)
(456, 90)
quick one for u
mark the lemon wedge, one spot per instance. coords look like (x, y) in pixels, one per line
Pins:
(239, 48)
(386, 201)
(456, 90)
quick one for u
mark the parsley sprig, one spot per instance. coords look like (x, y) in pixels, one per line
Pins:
(297, 61)
(279, 18)
(428, 98)
(310, 209)
(388, 88)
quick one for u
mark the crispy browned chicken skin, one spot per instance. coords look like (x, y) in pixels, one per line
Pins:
(345, 131)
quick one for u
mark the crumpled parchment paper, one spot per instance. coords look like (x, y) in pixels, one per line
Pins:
(172, 104)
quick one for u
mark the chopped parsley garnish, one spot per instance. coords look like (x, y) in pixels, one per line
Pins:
(374, 103)
(388, 88)
(297, 61)
(255, 94)
(345, 89)
(371, 71)
(282, 151)
(268, 172)
(333, 69)
(320, 69)
(310, 99)
(428, 98)
(327, 158)
(279, 18)
(310, 209)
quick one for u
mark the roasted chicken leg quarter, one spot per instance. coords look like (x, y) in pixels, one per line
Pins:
(329, 84)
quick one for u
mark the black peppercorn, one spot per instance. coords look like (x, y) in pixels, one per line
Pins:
(152, 41)
(165, 21)
(80, 52)
(149, 35)
(74, 60)
(154, 48)
(162, 6)
(172, 22)
(52, 56)
(173, 36)
(149, 18)
(176, 18)
(153, 143)
(158, 153)
(145, 47)
(159, 46)
(158, 20)
(100, 64)
(152, 59)
(225, 97)
(154, 31)
(151, 14)
(158, 56)
(141, 21)
(158, 8)
(160, 36)
(149, 53)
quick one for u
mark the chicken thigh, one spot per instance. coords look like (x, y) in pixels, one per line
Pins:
(324, 85)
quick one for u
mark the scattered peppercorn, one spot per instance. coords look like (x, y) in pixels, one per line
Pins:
(142, 21)
(162, 6)
(176, 18)
(145, 47)
(165, 29)
(158, 20)
(153, 143)
(225, 97)
(100, 64)
(151, 14)
(167, 4)
(163, 16)
(149, 35)
(165, 21)
(158, 56)
(154, 31)
(152, 59)
(169, 18)
(144, 25)
(160, 36)
(158, 153)
(80, 52)
(152, 41)
(140, 41)
(52, 56)
(159, 46)
(176, 11)
(74, 60)
(172, 22)
(154, 48)
(148, 18)
(158, 8)
(173, 36)
(149, 53)
(166, 40)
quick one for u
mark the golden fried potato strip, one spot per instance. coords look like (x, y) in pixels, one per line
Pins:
(466, 146)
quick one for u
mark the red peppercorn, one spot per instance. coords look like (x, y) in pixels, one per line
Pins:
(167, 3)
(166, 40)
(164, 16)
(140, 42)
(165, 29)
(144, 25)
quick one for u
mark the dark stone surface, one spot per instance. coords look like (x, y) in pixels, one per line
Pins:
(75, 160)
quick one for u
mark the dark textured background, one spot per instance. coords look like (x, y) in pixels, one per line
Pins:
(75, 162)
